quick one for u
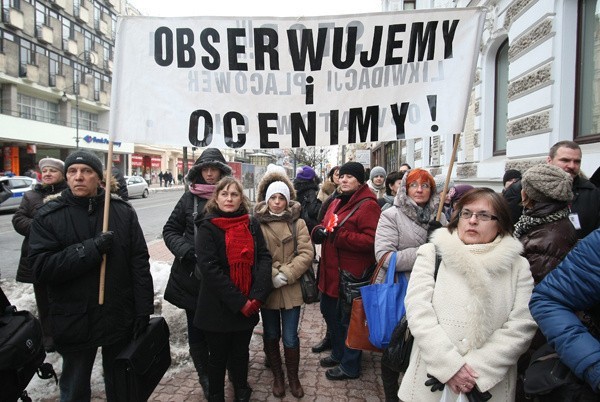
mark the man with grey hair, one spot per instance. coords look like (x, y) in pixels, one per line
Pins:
(585, 207)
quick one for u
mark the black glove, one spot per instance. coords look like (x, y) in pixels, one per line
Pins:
(139, 325)
(434, 383)
(190, 255)
(104, 241)
(319, 235)
(433, 225)
(477, 396)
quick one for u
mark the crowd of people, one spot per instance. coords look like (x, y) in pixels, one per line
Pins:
(471, 264)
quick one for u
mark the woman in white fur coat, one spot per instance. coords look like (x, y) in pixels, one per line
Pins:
(472, 323)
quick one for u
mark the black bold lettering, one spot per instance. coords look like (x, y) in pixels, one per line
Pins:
(163, 52)
(393, 44)
(422, 41)
(399, 117)
(308, 133)
(448, 33)
(264, 129)
(208, 128)
(186, 57)
(338, 39)
(209, 36)
(365, 61)
(356, 120)
(334, 127)
(235, 49)
(270, 46)
(306, 48)
(228, 129)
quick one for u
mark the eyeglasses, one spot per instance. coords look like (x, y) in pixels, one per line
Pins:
(480, 216)
(424, 186)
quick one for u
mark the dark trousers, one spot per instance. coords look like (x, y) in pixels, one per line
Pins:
(228, 349)
(77, 371)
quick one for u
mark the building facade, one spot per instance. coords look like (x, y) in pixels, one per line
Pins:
(537, 83)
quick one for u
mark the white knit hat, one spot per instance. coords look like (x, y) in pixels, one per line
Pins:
(272, 168)
(278, 187)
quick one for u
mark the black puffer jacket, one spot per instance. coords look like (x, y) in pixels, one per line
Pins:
(220, 301)
(22, 219)
(178, 234)
(64, 257)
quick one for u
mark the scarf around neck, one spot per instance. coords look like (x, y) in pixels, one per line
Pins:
(528, 222)
(239, 248)
(203, 190)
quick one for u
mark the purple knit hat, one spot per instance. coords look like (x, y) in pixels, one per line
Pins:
(307, 173)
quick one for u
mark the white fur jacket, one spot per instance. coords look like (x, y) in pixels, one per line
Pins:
(475, 313)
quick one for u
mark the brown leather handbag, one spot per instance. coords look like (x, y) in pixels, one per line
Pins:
(358, 330)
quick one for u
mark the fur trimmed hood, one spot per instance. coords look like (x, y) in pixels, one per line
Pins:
(479, 264)
(269, 178)
(291, 213)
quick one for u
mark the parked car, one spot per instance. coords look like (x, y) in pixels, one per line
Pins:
(18, 185)
(136, 186)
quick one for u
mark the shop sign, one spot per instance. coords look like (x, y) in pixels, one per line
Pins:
(137, 160)
(155, 161)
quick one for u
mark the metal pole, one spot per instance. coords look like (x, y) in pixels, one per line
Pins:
(77, 121)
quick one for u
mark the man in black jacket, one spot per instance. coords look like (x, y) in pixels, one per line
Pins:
(585, 208)
(66, 249)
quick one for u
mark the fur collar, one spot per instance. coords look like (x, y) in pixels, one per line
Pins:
(421, 216)
(479, 264)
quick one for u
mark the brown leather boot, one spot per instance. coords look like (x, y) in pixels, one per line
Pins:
(292, 360)
(274, 357)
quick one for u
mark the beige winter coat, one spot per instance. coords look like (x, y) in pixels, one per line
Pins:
(278, 236)
(475, 313)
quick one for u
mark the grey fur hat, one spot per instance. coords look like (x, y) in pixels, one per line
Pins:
(545, 182)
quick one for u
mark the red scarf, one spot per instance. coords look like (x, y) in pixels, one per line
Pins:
(239, 247)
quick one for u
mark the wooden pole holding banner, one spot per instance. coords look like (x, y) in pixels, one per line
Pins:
(450, 167)
(107, 177)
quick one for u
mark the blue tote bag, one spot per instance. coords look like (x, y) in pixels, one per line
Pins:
(384, 305)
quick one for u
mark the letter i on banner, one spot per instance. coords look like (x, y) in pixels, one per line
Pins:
(107, 177)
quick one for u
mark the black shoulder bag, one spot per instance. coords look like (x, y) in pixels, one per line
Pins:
(308, 280)
(349, 285)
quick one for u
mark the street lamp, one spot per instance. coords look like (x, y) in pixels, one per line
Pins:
(65, 99)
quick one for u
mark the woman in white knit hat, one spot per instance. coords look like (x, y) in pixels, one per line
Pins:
(53, 182)
(288, 241)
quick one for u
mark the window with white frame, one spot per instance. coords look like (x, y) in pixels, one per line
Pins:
(37, 109)
(501, 99)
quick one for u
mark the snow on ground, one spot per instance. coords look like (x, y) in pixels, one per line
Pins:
(21, 295)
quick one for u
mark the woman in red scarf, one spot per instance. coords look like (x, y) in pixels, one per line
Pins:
(235, 268)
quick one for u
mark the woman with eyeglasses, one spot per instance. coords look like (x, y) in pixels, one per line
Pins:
(403, 228)
(471, 322)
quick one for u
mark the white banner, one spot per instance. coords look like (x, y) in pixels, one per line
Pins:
(293, 82)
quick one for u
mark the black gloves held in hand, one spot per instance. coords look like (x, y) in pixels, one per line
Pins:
(319, 235)
(190, 255)
(139, 325)
(104, 241)
(477, 396)
(434, 383)
(433, 225)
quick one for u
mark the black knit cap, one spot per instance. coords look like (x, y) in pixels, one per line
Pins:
(354, 169)
(510, 174)
(86, 158)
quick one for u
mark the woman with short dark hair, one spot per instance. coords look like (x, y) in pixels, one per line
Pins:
(470, 319)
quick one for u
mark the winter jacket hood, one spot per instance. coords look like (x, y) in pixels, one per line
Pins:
(269, 178)
(211, 157)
